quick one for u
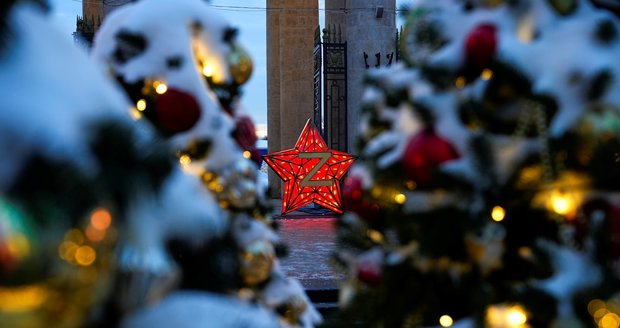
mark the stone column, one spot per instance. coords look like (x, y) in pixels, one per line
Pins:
(335, 15)
(370, 27)
(92, 11)
(290, 41)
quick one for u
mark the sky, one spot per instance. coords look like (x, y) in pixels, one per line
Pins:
(251, 24)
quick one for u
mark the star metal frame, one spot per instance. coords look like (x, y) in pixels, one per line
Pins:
(311, 172)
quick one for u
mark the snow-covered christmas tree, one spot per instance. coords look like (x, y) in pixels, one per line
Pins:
(486, 190)
(77, 171)
(182, 67)
(106, 220)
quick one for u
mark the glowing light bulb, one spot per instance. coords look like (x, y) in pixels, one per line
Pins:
(561, 202)
(161, 88)
(207, 71)
(487, 74)
(498, 213)
(375, 235)
(506, 316)
(85, 255)
(516, 316)
(141, 105)
(609, 320)
(247, 154)
(400, 199)
(445, 321)
(101, 219)
(185, 160)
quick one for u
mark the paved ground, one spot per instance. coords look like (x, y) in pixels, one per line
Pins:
(311, 241)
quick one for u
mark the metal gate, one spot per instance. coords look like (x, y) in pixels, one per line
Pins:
(318, 63)
(332, 120)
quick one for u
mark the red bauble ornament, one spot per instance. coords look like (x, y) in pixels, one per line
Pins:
(352, 192)
(369, 274)
(424, 153)
(177, 111)
(245, 136)
(354, 202)
(480, 46)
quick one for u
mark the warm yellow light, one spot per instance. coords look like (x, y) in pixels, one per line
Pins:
(487, 74)
(561, 203)
(498, 213)
(207, 70)
(135, 114)
(141, 105)
(445, 321)
(247, 154)
(609, 320)
(101, 219)
(22, 299)
(516, 316)
(94, 234)
(207, 176)
(375, 236)
(506, 316)
(525, 252)
(598, 314)
(594, 305)
(185, 160)
(400, 199)
(460, 82)
(85, 255)
(67, 249)
(161, 88)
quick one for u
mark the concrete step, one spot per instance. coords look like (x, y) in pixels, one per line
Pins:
(325, 300)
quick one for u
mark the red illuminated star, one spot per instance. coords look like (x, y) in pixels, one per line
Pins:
(311, 172)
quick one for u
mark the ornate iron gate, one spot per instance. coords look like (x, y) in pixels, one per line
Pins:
(318, 63)
(333, 60)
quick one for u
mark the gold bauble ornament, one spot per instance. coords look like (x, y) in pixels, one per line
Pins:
(234, 185)
(52, 275)
(256, 262)
(240, 64)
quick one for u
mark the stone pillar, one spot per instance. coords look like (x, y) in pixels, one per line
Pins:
(92, 12)
(335, 15)
(370, 27)
(290, 41)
